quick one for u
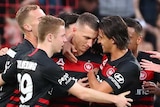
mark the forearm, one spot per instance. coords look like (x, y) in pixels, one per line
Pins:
(93, 82)
(1, 80)
(91, 95)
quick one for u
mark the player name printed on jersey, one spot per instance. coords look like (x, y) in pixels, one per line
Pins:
(26, 65)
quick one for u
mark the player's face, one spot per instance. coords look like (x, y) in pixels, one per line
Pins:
(105, 42)
(134, 39)
(34, 18)
(59, 40)
(83, 38)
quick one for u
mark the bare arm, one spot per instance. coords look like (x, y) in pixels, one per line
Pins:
(88, 94)
(1, 80)
(100, 86)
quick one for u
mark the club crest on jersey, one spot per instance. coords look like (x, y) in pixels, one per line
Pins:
(88, 66)
(110, 71)
(143, 75)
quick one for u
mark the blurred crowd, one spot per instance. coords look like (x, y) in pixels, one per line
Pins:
(145, 11)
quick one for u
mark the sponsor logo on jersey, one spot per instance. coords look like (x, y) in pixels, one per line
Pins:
(143, 75)
(115, 82)
(88, 66)
(65, 79)
(142, 92)
(119, 78)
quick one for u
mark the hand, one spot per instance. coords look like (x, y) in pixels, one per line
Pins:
(151, 87)
(149, 65)
(3, 51)
(68, 50)
(154, 54)
(83, 82)
(122, 101)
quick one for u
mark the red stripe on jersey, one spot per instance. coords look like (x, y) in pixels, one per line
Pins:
(16, 91)
(37, 106)
(43, 101)
(33, 52)
(69, 101)
(13, 98)
(80, 66)
(11, 105)
(146, 98)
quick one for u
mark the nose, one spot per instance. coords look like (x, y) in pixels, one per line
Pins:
(64, 39)
(90, 43)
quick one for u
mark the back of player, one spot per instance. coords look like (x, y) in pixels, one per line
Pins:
(9, 92)
(23, 17)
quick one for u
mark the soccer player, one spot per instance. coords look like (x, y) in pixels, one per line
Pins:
(119, 70)
(84, 33)
(144, 99)
(28, 18)
(38, 74)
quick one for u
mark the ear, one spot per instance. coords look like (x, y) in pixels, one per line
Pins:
(139, 40)
(27, 27)
(74, 29)
(113, 41)
(49, 37)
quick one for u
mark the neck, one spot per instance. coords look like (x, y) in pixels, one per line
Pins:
(48, 50)
(135, 53)
(118, 54)
(32, 39)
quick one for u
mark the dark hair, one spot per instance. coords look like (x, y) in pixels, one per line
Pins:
(69, 18)
(115, 28)
(134, 24)
(89, 19)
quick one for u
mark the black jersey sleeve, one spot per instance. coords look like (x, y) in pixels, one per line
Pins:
(3, 60)
(9, 74)
(59, 77)
(126, 76)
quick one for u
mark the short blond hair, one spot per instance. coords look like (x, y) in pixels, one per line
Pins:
(48, 24)
(23, 12)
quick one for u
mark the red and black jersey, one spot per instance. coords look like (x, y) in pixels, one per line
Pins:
(145, 99)
(86, 62)
(122, 75)
(9, 93)
(38, 76)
